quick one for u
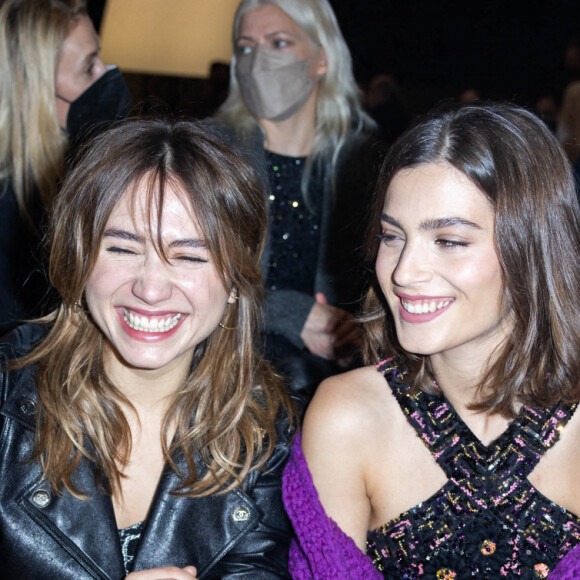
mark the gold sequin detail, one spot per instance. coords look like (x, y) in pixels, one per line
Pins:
(488, 547)
(541, 570)
(446, 574)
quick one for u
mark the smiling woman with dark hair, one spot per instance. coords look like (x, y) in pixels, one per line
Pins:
(140, 407)
(456, 456)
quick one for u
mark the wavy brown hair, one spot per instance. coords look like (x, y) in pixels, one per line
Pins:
(227, 410)
(513, 158)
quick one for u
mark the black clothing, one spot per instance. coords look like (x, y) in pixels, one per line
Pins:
(242, 534)
(340, 206)
(294, 226)
(487, 521)
(23, 284)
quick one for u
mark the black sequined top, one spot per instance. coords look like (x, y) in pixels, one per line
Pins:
(294, 226)
(487, 521)
(129, 538)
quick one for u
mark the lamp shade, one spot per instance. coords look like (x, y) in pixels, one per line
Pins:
(167, 37)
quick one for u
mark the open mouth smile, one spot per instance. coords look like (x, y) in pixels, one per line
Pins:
(422, 309)
(152, 324)
(424, 306)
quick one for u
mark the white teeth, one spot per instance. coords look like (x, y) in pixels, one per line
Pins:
(145, 324)
(424, 306)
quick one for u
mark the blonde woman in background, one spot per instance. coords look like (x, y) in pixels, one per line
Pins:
(294, 106)
(53, 86)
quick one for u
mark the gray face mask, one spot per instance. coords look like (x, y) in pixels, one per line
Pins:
(274, 84)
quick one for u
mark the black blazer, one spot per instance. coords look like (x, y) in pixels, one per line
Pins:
(241, 534)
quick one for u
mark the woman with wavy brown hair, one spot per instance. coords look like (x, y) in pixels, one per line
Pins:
(140, 407)
(456, 456)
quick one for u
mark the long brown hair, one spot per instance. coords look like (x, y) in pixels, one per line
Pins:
(512, 157)
(227, 408)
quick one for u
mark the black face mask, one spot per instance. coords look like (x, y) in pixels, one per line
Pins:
(107, 99)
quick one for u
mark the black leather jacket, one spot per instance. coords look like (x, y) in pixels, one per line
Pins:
(241, 534)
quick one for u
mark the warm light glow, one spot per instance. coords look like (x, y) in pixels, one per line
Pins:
(172, 37)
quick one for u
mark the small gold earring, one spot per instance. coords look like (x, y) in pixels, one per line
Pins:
(227, 327)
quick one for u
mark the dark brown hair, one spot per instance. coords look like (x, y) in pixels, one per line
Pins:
(511, 156)
(228, 406)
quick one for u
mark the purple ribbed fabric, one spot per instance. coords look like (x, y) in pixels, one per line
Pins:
(322, 551)
(568, 567)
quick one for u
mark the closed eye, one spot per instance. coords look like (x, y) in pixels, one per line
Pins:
(119, 250)
(195, 259)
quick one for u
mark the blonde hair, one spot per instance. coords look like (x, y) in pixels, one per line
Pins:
(227, 409)
(339, 113)
(32, 144)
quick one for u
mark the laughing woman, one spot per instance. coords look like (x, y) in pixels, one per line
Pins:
(139, 428)
(457, 455)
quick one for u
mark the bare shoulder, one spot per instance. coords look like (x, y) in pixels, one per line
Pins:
(347, 407)
(339, 427)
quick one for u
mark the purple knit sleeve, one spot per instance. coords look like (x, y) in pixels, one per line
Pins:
(568, 567)
(321, 551)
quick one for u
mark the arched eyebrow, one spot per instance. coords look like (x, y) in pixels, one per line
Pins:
(433, 224)
(445, 222)
(391, 220)
(122, 235)
(131, 237)
(188, 243)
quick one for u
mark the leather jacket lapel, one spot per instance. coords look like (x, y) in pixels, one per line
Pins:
(84, 530)
(217, 521)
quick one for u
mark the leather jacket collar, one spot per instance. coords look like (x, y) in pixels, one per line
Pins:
(46, 535)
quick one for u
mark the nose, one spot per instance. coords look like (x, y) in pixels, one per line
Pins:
(413, 266)
(152, 283)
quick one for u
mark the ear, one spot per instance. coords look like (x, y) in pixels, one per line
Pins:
(233, 297)
(322, 64)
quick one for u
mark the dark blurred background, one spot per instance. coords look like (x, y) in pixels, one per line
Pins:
(424, 51)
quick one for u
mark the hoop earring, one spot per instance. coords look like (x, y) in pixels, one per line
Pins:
(234, 295)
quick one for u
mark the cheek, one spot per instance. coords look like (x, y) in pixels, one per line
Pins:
(481, 278)
(62, 109)
(102, 283)
(208, 291)
(385, 265)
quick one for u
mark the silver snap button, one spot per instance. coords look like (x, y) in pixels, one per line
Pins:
(40, 498)
(27, 406)
(241, 514)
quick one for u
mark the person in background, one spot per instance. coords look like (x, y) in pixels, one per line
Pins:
(456, 456)
(568, 126)
(53, 86)
(294, 104)
(384, 101)
(141, 432)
